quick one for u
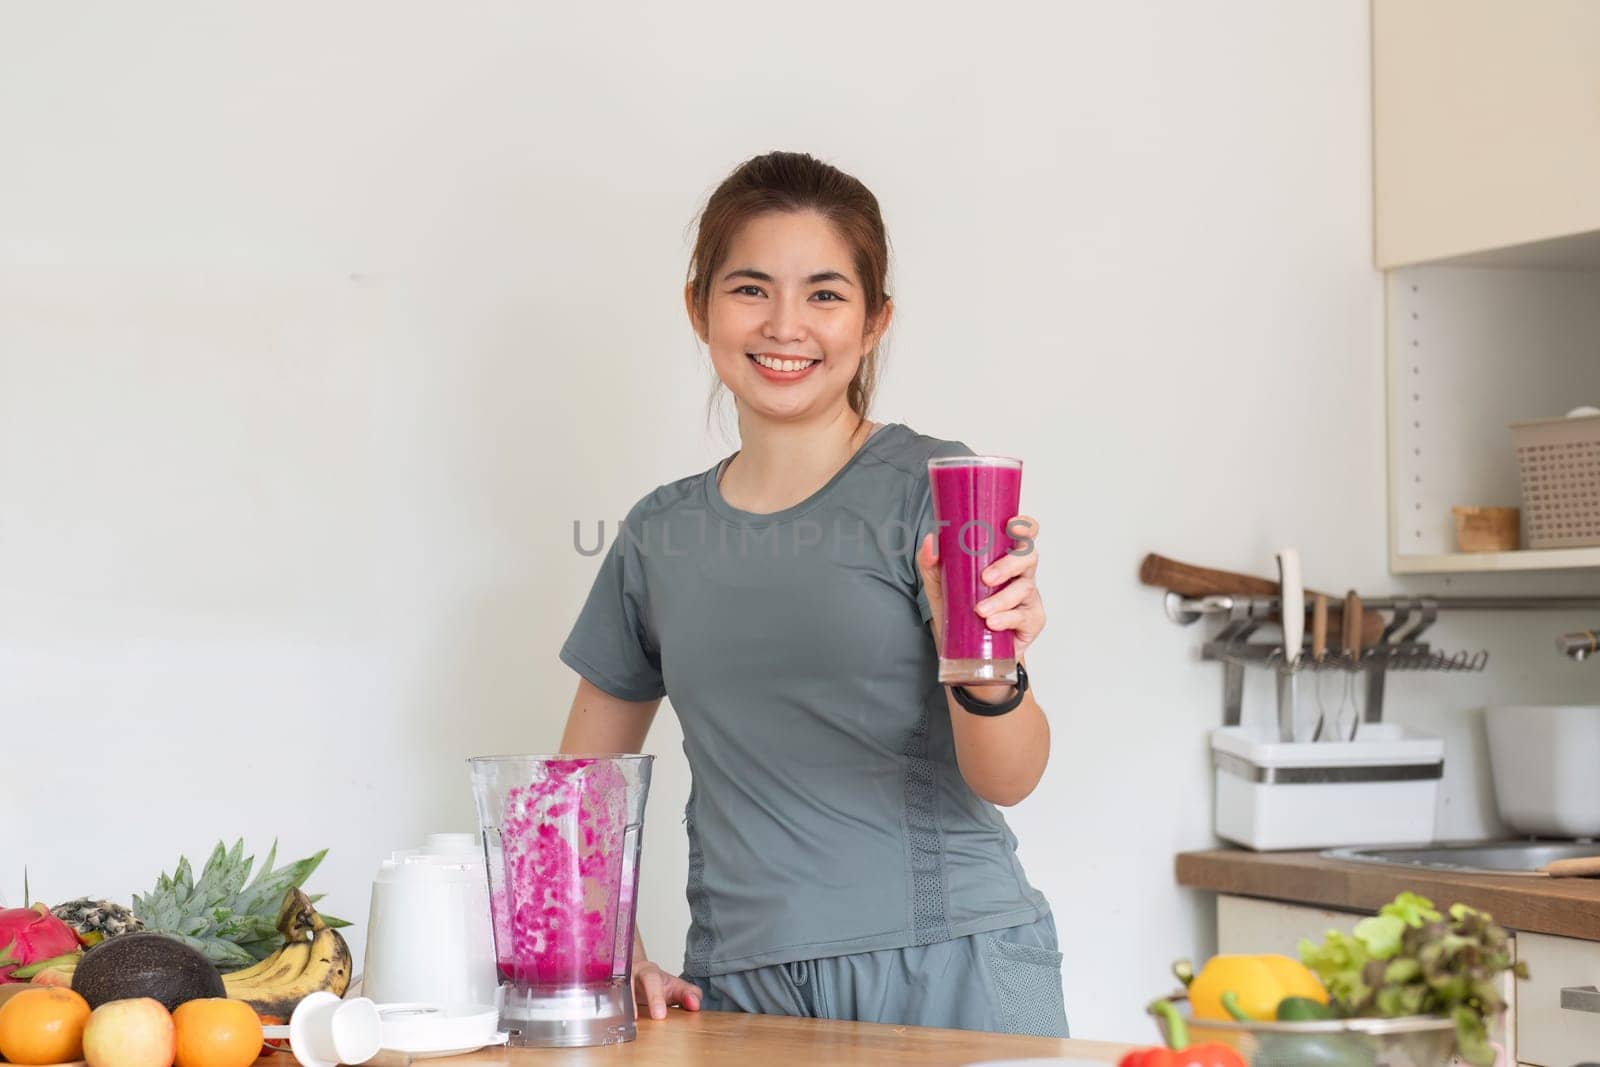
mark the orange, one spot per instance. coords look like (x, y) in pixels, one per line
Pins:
(217, 1032)
(43, 1025)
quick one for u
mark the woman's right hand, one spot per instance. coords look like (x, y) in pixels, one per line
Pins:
(655, 990)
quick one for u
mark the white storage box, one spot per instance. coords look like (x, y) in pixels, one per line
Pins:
(1380, 789)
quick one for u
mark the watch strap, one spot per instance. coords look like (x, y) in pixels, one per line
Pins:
(979, 707)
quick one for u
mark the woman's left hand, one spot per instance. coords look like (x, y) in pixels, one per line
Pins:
(1017, 607)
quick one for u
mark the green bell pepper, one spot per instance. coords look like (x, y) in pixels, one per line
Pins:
(1307, 1050)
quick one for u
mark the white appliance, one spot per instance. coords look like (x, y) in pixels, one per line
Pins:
(1546, 766)
(429, 933)
(1380, 789)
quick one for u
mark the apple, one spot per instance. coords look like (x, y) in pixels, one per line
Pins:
(130, 1033)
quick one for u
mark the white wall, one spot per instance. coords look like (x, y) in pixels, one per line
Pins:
(320, 324)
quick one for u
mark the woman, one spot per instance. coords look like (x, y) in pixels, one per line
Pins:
(846, 856)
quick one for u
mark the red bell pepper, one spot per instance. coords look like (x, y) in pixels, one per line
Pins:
(30, 935)
(1210, 1055)
(1181, 1054)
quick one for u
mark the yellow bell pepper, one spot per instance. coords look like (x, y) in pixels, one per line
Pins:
(1260, 982)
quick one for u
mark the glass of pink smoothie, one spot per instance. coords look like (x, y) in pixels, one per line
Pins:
(561, 837)
(974, 497)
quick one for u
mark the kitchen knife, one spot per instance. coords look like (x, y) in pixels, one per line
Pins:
(1319, 626)
(1352, 637)
(1292, 596)
(1291, 593)
(1319, 649)
(1351, 643)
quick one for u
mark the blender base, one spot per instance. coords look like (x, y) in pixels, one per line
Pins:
(567, 1016)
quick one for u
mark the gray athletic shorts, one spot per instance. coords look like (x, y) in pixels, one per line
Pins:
(1005, 981)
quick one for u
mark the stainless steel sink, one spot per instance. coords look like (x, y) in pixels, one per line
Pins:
(1485, 857)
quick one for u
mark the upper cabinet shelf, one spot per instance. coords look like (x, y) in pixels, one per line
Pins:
(1473, 350)
(1486, 138)
(1551, 559)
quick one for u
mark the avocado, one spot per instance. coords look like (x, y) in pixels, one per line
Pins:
(145, 964)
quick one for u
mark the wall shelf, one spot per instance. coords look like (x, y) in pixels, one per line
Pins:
(1550, 559)
(1471, 350)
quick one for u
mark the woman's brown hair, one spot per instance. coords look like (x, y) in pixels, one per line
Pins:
(794, 182)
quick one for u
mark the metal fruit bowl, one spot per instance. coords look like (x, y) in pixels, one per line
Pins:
(1408, 1041)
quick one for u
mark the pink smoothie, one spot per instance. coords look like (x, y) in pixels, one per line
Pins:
(557, 906)
(974, 501)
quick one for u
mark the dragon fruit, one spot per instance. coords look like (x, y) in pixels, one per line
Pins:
(31, 935)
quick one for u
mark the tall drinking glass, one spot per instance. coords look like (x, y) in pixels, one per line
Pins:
(561, 838)
(974, 497)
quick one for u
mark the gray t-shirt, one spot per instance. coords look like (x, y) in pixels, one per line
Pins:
(827, 815)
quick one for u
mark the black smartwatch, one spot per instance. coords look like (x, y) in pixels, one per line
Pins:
(978, 707)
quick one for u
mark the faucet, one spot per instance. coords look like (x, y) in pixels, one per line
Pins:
(1581, 645)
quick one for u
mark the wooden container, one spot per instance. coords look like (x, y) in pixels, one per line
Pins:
(1488, 529)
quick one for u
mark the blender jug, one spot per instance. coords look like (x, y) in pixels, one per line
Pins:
(561, 839)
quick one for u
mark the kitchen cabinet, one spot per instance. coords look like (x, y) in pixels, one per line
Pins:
(1486, 128)
(1486, 160)
(1557, 1015)
(1553, 1019)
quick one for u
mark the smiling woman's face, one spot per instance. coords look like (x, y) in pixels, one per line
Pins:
(786, 319)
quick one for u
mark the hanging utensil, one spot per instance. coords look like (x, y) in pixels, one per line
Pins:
(1350, 649)
(1385, 653)
(1319, 652)
(1292, 600)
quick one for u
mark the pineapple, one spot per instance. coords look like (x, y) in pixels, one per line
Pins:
(231, 923)
(95, 920)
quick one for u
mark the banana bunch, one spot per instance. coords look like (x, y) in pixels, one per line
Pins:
(314, 957)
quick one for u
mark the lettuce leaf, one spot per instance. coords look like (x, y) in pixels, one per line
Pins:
(1411, 960)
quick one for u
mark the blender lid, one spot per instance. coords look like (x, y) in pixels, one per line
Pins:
(325, 1031)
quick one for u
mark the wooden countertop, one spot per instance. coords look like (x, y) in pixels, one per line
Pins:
(1562, 907)
(730, 1039)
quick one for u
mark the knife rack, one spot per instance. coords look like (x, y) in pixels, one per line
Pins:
(1398, 647)
(1411, 656)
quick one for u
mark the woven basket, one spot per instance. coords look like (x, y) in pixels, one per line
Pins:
(1559, 463)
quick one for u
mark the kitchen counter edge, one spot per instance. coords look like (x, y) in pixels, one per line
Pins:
(1560, 907)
